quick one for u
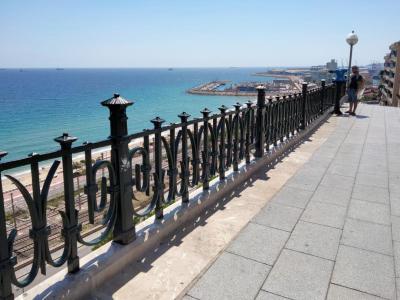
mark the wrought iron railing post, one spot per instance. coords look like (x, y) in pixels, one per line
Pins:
(222, 145)
(260, 130)
(248, 131)
(330, 95)
(185, 159)
(252, 125)
(291, 115)
(173, 170)
(158, 170)
(275, 114)
(146, 146)
(299, 105)
(268, 124)
(283, 118)
(124, 229)
(90, 189)
(206, 152)
(6, 260)
(214, 148)
(242, 136)
(236, 141)
(278, 118)
(229, 142)
(196, 154)
(70, 229)
(303, 105)
(338, 95)
(323, 95)
(287, 116)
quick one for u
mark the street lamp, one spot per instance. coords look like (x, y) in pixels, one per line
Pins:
(351, 39)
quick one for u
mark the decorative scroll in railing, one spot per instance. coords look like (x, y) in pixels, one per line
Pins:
(164, 165)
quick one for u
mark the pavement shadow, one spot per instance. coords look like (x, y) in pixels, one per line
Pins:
(344, 115)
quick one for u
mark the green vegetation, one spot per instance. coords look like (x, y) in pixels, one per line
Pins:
(136, 220)
(56, 201)
(9, 216)
(20, 213)
(108, 238)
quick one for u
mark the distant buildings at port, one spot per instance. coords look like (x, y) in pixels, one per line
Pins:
(331, 65)
(289, 80)
(313, 74)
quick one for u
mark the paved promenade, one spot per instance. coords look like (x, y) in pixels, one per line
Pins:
(333, 229)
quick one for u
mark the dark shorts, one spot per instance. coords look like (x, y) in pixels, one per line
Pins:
(352, 94)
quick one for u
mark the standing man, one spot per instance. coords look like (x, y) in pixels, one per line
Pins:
(355, 86)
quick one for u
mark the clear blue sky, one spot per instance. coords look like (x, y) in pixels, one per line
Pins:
(189, 33)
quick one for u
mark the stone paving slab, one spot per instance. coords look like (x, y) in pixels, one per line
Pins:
(341, 216)
(365, 271)
(368, 236)
(337, 292)
(371, 193)
(278, 216)
(348, 157)
(332, 195)
(343, 169)
(308, 183)
(299, 276)
(396, 251)
(252, 241)
(292, 197)
(187, 297)
(398, 287)
(231, 277)
(368, 166)
(325, 214)
(368, 211)
(377, 179)
(344, 182)
(394, 167)
(396, 228)
(319, 162)
(269, 296)
(314, 239)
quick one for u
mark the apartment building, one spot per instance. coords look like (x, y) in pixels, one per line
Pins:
(390, 76)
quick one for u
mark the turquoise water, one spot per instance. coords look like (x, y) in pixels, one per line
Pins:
(37, 105)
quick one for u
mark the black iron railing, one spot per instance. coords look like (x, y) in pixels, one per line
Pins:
(164, 165)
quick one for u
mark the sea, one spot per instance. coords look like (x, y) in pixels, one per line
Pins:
(38, 105)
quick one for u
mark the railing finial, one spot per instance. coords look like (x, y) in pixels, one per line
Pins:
(116, 100)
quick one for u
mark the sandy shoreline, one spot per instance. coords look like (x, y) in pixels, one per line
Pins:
(25, 176)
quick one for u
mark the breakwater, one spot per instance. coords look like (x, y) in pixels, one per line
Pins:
(246, 89)
(211, 88)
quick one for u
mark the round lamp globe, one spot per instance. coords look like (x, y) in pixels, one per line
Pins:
(352, 39)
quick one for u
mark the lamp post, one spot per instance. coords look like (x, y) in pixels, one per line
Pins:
(351, 39)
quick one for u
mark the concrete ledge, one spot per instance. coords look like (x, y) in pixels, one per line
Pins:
(107, 261)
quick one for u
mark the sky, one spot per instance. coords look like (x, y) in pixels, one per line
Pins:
(190, 33)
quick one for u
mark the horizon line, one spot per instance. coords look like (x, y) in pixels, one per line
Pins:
(170, 67)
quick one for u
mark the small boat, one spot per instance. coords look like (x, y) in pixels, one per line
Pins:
(170, 69)
(59, 69)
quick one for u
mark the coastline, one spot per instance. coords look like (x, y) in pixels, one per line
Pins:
(25, 176)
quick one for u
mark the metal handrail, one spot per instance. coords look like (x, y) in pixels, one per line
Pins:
(207, 147)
